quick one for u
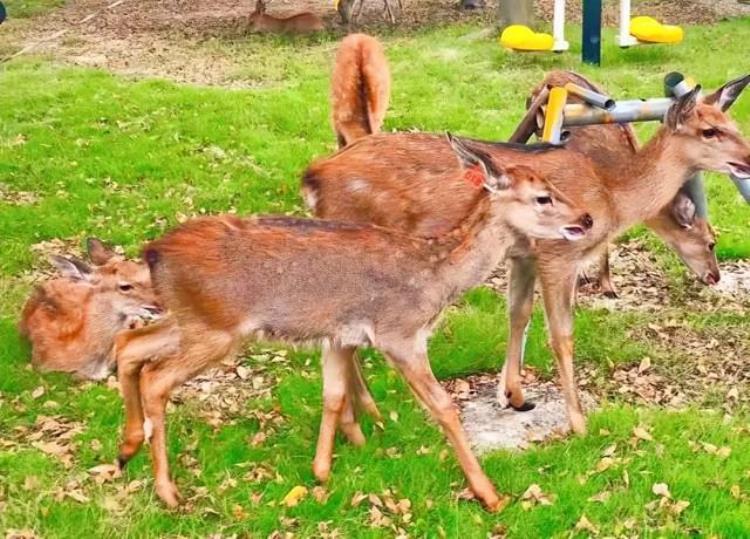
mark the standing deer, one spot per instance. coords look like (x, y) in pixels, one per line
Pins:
(360, 88)
(610, 147)
(226, 279)
(301, 23)
(366, 182)
(71, 322)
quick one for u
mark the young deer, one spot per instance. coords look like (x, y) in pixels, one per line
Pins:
(71, 322)
(610, 147)
(360, 88)
(365, 182)
(225, 279)
(301, 23)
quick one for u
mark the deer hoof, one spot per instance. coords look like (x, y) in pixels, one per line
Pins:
(611, 294)
(526, 406)
(498, 504)
(168, 493)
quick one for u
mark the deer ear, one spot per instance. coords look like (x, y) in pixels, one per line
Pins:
(683, 210)
(682, 108)
(72, 268)
(98, 252)
(725, 96)
(473, 159)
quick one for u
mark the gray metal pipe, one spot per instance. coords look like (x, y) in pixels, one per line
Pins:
(591, 97)
(638, 110)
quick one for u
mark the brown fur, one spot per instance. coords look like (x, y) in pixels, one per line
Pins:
(225, 279)
(71, 322)
(300, 23)
(610, 147)
(360, 88)
(368, 182)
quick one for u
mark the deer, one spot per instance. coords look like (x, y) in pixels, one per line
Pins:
(227, 279)
(300, 23)
(71, 321)
(364, 182)
(360, 88)
(610, 146)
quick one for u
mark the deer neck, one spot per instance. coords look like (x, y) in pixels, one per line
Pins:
(468, 255)
(646, 183)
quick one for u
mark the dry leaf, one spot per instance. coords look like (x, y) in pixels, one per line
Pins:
(31, 482)
(38, 392)
(77, 495)
(585, 524)
(358, 498)
(642, 434)
(320, 494)
(645, 365)
(604, 464)
(661, 489)
(609, 451)
(679, 506)
(105, 472)
(735, 491)
(294, 496)
(602, 497)
(393, 415)
(534, 495)
(724, 452)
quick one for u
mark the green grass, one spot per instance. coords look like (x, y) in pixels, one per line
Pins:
(122, 159)
(21, 9)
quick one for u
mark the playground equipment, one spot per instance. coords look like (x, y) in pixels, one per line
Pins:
(602, 109)
(637, 31)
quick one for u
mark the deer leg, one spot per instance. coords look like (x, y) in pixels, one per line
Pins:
(157, 382)
(361, 392)
(337, 362)
(557, 290)
(132, 350)
(605, 276)
(521, 302)
(413, 363)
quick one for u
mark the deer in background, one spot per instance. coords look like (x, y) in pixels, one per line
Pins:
(611, 146)
(226, 279)
(301, 23)
(71, 321)
(366, 182)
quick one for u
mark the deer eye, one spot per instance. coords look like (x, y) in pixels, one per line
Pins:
(709, 133)
(711, 246)
(544, 200)
(125, 287)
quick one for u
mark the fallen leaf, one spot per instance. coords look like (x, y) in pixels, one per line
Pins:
(38, 392)
(105, 472)
(645, 365)
(393, 415)
(661, 489)
(679, 506)
(77, 495)
(294, 496)
(584, 524)
(602, 497)
(724, 452)
(358, 498)
(535, 495)
(735, 491)
(320, 494)
(609, 451)
(642, 434)
(604, 464)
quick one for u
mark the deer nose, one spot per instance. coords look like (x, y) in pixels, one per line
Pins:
(586, 221)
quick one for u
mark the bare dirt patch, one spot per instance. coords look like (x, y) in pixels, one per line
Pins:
(491, 427)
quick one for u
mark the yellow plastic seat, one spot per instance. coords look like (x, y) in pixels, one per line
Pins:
(650, 30)
(522, 38)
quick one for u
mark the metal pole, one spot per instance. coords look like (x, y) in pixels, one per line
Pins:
(624, 111)
(592, 32)
(676, 85)
(558, 27)
(591, 97)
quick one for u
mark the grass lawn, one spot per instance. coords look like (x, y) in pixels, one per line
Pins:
(125, 159)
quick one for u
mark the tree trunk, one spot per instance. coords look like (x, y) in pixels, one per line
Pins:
(515, 12)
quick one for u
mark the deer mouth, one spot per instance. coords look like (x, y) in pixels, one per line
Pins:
(573, 232)
(710, 278)
(739, 170)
